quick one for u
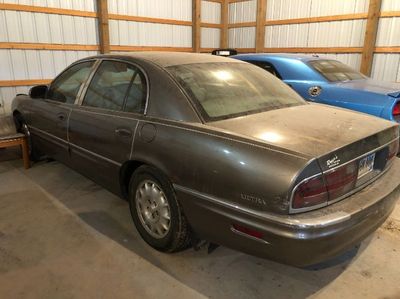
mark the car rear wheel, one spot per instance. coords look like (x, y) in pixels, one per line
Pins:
(156, 212)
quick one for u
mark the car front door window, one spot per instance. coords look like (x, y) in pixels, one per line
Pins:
(65, 87)
(113, 83)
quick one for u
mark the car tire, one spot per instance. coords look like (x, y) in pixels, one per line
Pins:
(156, 212)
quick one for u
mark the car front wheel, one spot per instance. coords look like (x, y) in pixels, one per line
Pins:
(156, 212)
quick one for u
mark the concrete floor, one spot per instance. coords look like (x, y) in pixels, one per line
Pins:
(62, 236)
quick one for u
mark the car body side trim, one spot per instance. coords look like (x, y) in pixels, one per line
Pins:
(286, 220)
(32, 128)
(95, 154)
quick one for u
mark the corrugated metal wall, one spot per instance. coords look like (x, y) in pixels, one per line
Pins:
(386, 66)
(242, 12)
(210, 13)
(30, 27)
(131, 33)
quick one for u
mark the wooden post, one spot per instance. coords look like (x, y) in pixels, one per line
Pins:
(224, 22)
(370, 36)
(196, 30)
(260, 25)
(104, 35)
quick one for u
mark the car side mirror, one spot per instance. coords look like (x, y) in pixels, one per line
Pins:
(38, 92)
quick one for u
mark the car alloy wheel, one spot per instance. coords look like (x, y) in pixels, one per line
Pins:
(153, 209)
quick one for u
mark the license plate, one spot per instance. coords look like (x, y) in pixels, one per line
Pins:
(366, 165)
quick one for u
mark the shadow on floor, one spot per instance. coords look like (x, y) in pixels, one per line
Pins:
(223, 274)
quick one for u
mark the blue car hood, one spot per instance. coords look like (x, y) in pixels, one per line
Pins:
(375, 86)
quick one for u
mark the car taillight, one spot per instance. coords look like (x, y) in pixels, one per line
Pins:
(310, 193)
(396, 111)
(317, 191)
(341, 180)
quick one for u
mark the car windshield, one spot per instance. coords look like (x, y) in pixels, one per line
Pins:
(227, 90)
(335, 71)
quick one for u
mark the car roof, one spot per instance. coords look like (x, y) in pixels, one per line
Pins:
(165, 59)
(302, 57)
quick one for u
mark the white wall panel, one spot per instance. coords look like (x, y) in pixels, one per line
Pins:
(46, 28)
(165, 9)
(242, 37)
(390, 5)
(386, 67)
(326, 34)
(388, 32)
(240, 12)
(210, 12)
(149, 34)
(210, 37)
(291, 9)
(85, 5)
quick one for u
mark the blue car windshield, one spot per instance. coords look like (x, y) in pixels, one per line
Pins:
(227, 90)
(335, 71)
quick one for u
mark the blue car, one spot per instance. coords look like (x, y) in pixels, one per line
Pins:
(331, 82)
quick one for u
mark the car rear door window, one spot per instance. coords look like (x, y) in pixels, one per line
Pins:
(65, 87)
(136, 99)
(109, 86)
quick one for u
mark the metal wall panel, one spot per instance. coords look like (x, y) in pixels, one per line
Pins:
(326, 34)
(165, 9)
(242, 37)
(388, 32)
(6, 96)
(291, 9)
(210, 37)
(149, 34)
(386, 67)
(390, 5)
(210, 12)
(240, 12)
(30, 27)
(85, 5)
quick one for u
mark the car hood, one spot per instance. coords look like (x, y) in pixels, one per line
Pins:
(311, 130)
(371, 85)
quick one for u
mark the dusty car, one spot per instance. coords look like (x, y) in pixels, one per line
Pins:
(217, 149)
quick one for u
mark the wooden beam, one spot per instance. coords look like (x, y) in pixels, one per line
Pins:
(196, 30)
(234, 1)
(210, 25)
(43, 46)
(370, 36)
(344, 17)
(260, 25)
(12, 83)
(148, 20)
(104, 34)
(395, 49)
(314, 50)
(243, 24)
(48, 10)
(223, 43)
(149, 48)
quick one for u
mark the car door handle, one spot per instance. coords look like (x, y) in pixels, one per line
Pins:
(61, 116)
(123, 132)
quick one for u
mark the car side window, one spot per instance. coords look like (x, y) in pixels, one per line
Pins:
(136, 98)
(110, 85)
(65, 87)
(268, 67)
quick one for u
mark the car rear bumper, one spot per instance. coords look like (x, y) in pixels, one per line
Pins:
(301, 239)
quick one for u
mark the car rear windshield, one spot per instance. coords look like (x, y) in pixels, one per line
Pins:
(227, 90)
(335, 71)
